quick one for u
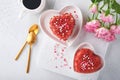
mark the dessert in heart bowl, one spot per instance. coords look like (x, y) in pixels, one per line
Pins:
(85, 59)
(62, 26)
(86, 62)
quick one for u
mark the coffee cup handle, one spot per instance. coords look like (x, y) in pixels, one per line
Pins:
(19, 1)
(22, 13)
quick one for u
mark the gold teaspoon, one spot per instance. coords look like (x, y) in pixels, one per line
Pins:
(33, 31)
(34, 28)
(30, 40)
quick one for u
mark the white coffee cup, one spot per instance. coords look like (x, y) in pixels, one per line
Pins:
(33, 11)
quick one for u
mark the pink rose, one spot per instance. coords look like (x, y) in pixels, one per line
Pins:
(94, 9)
(108, 18)
(105, 34)
(92, 25)
(115, 29)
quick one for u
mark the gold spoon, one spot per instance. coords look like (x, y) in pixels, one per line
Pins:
(34, 28)
(33, 31)
(30, 40)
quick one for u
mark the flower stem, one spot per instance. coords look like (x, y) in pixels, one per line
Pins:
(95, 1)
(97, 16)
(116, 22)
(109, 26)
(93, 16)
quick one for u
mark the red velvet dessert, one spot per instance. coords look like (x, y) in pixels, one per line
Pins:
(86, 61)
(62, 26)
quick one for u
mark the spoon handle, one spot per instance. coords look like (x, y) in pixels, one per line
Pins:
(28, 63)
(19, 53)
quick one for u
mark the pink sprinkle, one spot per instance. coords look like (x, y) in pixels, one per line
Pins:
(74, 11)
(70, 67)
(65, 64)
(61, 57)
(63, 50)
(54, 51)
(57, 54)
(56, 66)
(65, 60)
(76, 16)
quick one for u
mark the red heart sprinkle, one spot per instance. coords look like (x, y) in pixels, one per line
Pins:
(62, 25)
(86, 61)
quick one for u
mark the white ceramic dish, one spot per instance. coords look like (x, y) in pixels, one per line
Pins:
(46, 58)
(89, 76)
(47, 15)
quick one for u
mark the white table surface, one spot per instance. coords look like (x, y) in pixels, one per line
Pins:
(13, 33)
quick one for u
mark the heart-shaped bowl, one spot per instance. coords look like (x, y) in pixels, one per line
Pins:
(45, 23)
(89, 46)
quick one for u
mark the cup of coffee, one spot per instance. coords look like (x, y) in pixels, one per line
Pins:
(32, 6)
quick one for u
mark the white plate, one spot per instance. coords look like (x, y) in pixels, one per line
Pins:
(47, 15)
(46, 58)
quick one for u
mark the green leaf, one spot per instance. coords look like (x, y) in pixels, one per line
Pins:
(106, 1)
(116, 7)
(107, 12)
(118, 22)
(88, 19)
(91, 6)
(94, 1)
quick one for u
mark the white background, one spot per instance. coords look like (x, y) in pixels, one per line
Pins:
(13, 33)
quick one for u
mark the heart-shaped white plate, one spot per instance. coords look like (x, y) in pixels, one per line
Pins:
(90, 76)
(47, 15)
